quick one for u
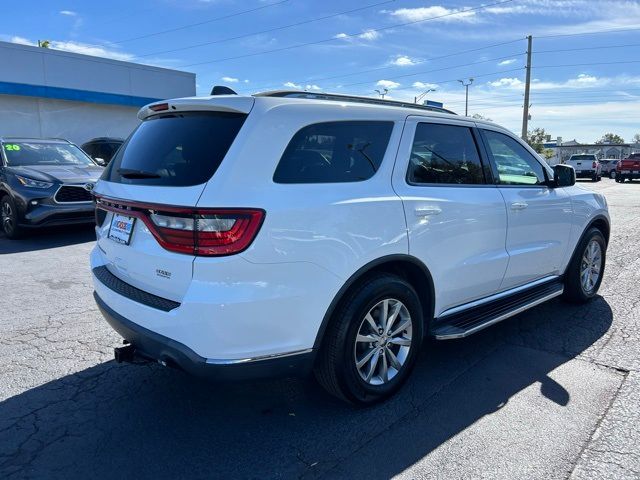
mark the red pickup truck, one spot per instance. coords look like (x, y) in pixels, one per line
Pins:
(628, 168)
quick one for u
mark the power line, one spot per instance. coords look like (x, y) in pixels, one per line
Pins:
(597, 32)
(588, 48)
(439, 70)
(351, 35)
(204, 22)
(428, 59)
(585, 64)
(269, 30)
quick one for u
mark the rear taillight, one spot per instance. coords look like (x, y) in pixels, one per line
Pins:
(195, 231)
(212, 232)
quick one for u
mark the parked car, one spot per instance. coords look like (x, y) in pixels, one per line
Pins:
(586, 166)
(628, 168)
(102, 149)
(608, 166)
(44, 182)
(286, 232)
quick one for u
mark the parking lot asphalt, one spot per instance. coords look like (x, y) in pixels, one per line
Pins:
(551, 393)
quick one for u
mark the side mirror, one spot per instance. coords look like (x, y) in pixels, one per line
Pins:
(100, 161)
(564, 175)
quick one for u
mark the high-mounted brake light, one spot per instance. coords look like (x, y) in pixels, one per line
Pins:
(159, 107)
(199, 231)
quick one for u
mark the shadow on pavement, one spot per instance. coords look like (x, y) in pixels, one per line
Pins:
(45, 238)
(145, 421)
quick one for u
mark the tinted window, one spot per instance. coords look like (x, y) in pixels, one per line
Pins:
(516, 166)
(583, 157)
(177, 149)
(444, 154)
(334, 152)
(40, 153)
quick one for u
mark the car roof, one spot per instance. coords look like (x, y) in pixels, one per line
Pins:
(104, 139)
(388, 110)
(33, 140)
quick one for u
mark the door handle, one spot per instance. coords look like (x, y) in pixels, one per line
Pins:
(427, 211)
(519, 205)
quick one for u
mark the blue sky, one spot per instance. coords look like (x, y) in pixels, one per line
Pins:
(579, 89)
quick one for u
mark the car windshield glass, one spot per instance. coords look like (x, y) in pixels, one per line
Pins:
(21, 154)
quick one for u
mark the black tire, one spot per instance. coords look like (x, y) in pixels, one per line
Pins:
(336, 367)
(9, 218)
(574, 291)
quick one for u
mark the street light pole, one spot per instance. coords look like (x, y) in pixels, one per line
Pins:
(466, 95)
(382, 92)
(422, 95)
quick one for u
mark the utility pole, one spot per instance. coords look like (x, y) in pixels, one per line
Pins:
(466, 95)
(527, 86)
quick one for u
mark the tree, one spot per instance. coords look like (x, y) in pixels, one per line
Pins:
(536, 139)
(479, 116)
(44, 43)
(636, 138)
(547, 153)
(610, 138)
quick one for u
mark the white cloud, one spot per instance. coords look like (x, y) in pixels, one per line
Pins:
(437, 13)
(246, 80)
(23, 41)
(78, 47)
(424, 86)
(94, 50)
(293, 85)
(230, 79)
(68, 13)
(507, 62)
(507, 82)
(367, 35)
(312, 87)
(404, 61)
(387, 84)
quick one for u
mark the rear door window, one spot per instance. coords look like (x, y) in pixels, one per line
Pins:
(334, 152)
(444, 154)
(176, 149)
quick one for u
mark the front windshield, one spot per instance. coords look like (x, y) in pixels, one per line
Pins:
(22, 154)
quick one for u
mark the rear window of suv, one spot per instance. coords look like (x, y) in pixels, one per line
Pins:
(176, 149)
(334, 152)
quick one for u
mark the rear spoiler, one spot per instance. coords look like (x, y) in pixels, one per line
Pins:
(217, 103)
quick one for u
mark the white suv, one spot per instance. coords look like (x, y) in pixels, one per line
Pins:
(289, 232)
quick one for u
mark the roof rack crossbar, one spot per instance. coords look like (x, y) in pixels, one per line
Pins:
(351, 98)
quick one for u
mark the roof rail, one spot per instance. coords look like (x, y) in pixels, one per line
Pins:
(350, 98)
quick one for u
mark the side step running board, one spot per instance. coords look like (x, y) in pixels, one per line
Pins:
(466, 322)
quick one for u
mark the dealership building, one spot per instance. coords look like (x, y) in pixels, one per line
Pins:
(52, 93)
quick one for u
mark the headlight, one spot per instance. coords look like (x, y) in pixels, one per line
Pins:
(30, 182)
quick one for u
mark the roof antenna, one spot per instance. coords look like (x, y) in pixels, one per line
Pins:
(222, 90)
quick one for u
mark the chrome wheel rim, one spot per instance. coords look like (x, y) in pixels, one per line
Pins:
(383, 341)
(591, 266)
(7, 217)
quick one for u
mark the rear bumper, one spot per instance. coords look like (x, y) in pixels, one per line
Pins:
(155, 347)
(585, 174)
(628, 175)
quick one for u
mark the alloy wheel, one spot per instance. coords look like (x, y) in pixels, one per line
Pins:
(591, 266)
(7, 217)
(383, 341)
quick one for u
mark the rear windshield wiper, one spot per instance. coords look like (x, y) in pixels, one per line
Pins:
(131, 173)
